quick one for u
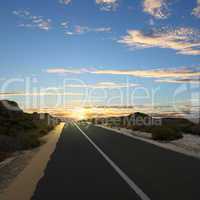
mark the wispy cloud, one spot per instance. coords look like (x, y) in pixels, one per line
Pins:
(65, 24)
(156, 8)
(78, 30)
(161, 73)
(32, 21)
(69, 33)
(85, 29)
(108, 5)
(196, 11)
(22, 13)
(18, 94)
(175, 74)
(68, 70)
(194, 80)
(65, 2)
(183, 40)
(103, 85)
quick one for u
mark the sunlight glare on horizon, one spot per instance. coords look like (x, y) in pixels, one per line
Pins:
(79, 113)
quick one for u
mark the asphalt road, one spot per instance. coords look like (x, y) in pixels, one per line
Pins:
(93, 163)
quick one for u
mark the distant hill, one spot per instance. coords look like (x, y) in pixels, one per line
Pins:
(6, 105)
(138, 114)
(9, 108)
(19, 130)
(160, 128)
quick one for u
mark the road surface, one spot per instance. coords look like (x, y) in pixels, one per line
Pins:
(97, 164)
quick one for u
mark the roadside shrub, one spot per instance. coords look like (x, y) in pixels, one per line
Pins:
(15, 130)
(28, 125)
(195, 130)
(43, 132)
(22, 141)
(28, 141)
(165, 133)
(22, 131)
(178, 124)
(8, 144)
(3, 130)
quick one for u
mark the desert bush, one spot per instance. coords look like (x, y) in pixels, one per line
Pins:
(148, 129)
(178, 124)
(8, 144)
(28, 141)
(28, 124)
(21, 141)
(43, 132)
(19, 130)
(3, 130)
(165, 133)
(195, 129)
(14, 131)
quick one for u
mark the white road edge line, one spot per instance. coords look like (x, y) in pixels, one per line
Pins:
(133, 186)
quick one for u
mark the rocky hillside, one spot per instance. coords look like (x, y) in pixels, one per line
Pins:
(19, 130)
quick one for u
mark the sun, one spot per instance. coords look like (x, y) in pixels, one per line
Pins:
(79, 113)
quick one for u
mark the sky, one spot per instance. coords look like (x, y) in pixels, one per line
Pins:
(64, 56)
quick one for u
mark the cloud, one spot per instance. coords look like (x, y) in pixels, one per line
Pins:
(69, 33)
(65, 2)
(102, 29)
(18, 94)
(195, 80)
(196, 11)
(161, 73)
(81, 29)
(32, 21)
(78, 30)
(85, 29)
(64, 24)
(103, 85)
(21, 13)
(107, 5)
(183, 40)
(156, 8)
(67, 71)
(181, 73)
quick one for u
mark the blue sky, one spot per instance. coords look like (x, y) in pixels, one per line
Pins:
(151, 43)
